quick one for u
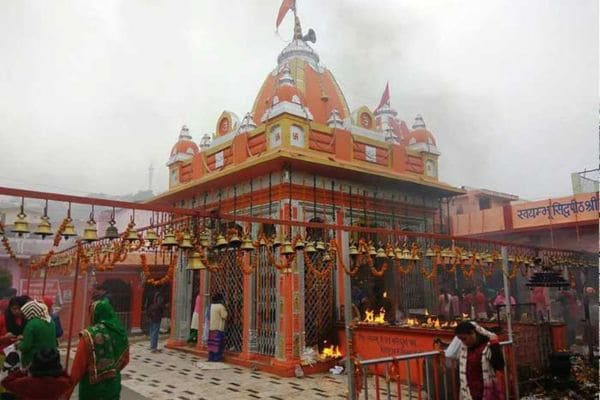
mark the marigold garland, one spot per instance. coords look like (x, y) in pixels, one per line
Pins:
(311, 267)
(163, 280)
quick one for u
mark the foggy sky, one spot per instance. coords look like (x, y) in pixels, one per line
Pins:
(93, 92)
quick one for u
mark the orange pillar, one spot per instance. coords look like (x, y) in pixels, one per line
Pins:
(137, 294)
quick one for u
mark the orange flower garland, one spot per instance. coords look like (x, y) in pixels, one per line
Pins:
(311, 267)
(163, 280)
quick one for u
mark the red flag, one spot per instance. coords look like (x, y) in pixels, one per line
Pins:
(385, 99)
(285, 7)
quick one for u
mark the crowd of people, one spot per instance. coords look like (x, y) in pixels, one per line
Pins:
(32, 369)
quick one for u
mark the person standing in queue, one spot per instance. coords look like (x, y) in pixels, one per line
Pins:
(216, 333)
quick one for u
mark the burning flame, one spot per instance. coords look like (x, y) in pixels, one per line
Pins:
(426, 312)
(331, 352)
(384, 295)
(412, 322)
(465, 316)
(371, 318)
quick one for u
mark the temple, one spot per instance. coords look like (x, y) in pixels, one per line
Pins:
(300, 154)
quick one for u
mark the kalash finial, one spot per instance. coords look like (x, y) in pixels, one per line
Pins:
(297, 28)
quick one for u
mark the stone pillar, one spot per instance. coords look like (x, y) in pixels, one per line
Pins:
(182, 302)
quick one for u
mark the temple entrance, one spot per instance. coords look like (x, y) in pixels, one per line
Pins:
(119, 293)
(229, 281)
(318, 299)
(265, 289)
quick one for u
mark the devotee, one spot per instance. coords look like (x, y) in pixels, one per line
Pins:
(500, 301)
(466, 302)
(49, 302)
(193, 338)
(444, 304)
(155, 313)
(13, 316)
(480, 303)
(480, 358)
(216, 333)
(538, 297)
(102, 352)
(568, 302)
(45, 380)
(39, 332)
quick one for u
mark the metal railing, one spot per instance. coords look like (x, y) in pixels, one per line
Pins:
(426, 375)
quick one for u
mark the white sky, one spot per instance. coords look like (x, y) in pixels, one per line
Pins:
(93, 92)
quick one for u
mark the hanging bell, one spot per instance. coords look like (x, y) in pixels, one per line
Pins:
(372, 251)
(111, 231)
(169, 240)
(234, 240)
(90, 233)
(263, 242)
(186, 243)
(391, 253)
(44, 228)
(353, 251)
(320, 246)
(326, 257)
(132, 235)
(287, 249)
(205, 239)
(310, 248)
(398, 253)
(430, 253)
(221, 242)
(299, 245)
(247, 244)
(151, 235)
(380, 253)
(69, 230)
(276, 242)
(195, 261)
(406, 254)
(21, 225)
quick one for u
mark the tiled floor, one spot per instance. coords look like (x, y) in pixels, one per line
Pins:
(176, 375)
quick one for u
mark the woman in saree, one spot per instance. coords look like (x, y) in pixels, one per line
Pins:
(102, 353)
(216, 333)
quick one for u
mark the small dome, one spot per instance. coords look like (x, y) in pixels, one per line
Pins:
(420, 134)
(185, 146)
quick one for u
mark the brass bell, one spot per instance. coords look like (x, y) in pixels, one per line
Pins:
(299, 245)
(44, 228)
(415, 257)
(132, 235)
(90, 233)
(353, 250)
(320, 245)
(430, 253)
(310, 248)
(391, 253)
(195, 261)
(111, 231)
(205, 239)
(276, 242)
(447, 253)
(170, 239)
(21, 225)
(235, 241)
(287, 249)
(151, 235)
(406, 254)
(221, 242)
(372, 251)
(69, 230)
(262, 242)
(186, 243)
(398, 253)
(247, 245)
(380, 253)
(327, 257)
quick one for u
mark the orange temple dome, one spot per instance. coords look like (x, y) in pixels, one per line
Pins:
(184, 149)
(299, 73)
(420, 134)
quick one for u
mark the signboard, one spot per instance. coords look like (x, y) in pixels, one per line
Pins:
(37, 285)
(577, 208)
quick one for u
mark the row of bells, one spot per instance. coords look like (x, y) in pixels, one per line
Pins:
(398, 253)
(44, 228)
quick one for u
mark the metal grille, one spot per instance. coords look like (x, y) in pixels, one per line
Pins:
(266, 304)
(229, 281)
(414, 291)
(318, 302)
